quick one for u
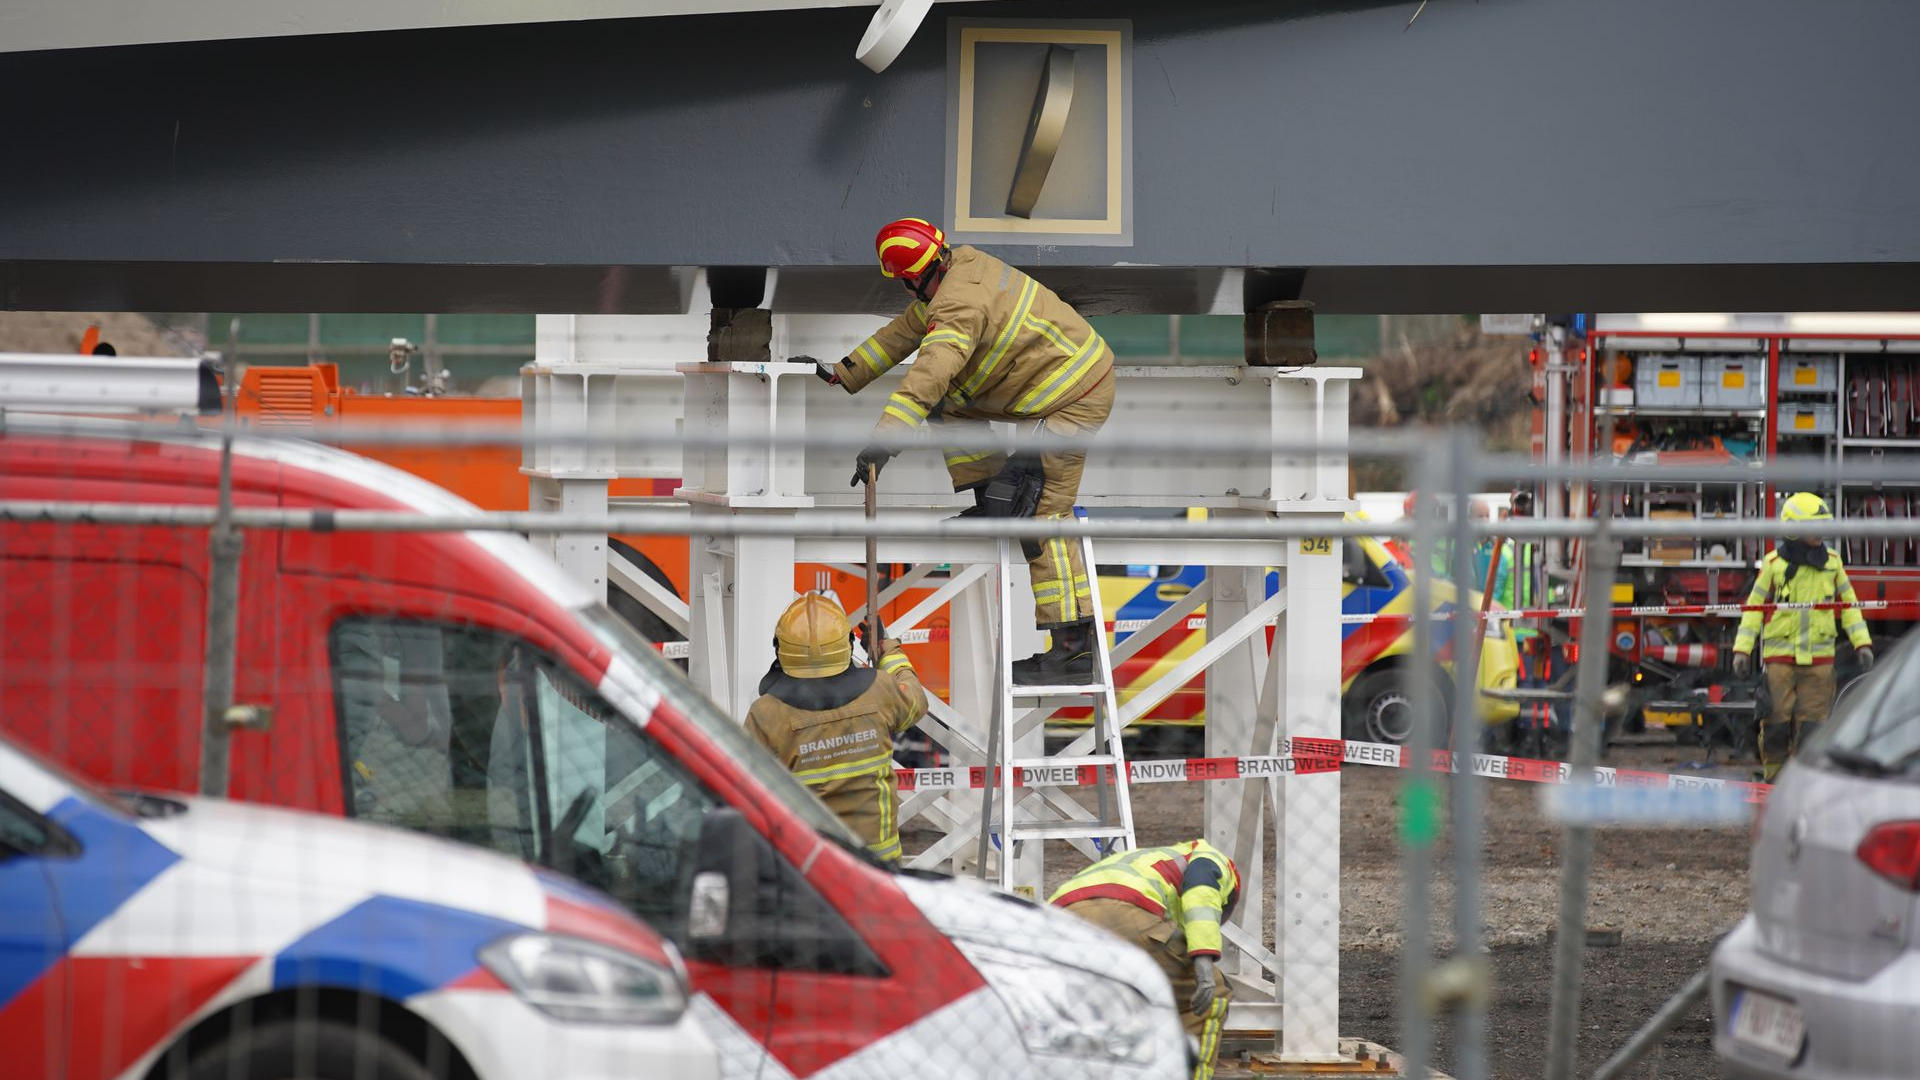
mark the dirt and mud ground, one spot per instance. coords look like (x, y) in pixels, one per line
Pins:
(1671, 894)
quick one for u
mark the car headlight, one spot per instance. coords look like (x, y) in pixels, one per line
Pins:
(1065, 1010)
(572, 979)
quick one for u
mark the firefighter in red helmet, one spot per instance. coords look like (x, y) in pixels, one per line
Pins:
(994, 344)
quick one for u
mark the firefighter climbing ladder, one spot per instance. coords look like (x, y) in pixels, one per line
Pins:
(1112, 826)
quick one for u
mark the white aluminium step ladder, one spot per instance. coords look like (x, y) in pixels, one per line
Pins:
(1017, 709)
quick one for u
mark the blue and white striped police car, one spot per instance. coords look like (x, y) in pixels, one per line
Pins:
(216, 940)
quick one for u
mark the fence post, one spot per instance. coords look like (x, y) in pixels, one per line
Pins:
(1576, 859)
(223, 615)
(1419, 793)
(1470, 999)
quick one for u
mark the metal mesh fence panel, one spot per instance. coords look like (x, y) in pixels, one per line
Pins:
(476, 824)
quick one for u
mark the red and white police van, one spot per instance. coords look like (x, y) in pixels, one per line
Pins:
(458, 684)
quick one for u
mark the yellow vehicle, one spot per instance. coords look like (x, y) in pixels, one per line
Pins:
(1376, 658)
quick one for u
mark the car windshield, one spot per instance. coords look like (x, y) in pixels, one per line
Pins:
(1876, 725)
(616, 634)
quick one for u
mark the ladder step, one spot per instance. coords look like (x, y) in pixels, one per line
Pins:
(1084, 690)
(1067, 830)
(1071, 761)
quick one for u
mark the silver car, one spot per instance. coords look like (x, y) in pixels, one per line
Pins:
(1822, 978)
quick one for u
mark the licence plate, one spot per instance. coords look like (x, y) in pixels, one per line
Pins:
(1768, 1023)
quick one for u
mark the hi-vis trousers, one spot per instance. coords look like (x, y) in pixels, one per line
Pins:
(1802, 696)
(1062, 592)
(1168, 946)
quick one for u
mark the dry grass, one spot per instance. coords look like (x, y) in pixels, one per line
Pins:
(1468, 380)
(61, 331)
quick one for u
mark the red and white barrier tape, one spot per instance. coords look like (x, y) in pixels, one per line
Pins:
(1302, 756)
(1307, 756)
(1728, 610)
(677, 650)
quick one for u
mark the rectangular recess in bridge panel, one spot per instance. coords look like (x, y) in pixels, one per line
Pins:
(1040, 131)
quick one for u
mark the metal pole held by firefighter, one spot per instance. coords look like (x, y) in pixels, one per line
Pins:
(874, 632)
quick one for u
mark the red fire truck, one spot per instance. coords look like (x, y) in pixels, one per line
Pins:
(1726, 389)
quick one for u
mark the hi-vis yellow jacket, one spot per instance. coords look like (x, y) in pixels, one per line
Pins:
(993, 341)
(1801, 637)
(835, 735)
(1189, 884)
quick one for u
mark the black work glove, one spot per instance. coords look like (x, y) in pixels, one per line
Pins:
(821, 369)
(1864, 655)
(1203, 987)
(876, 456)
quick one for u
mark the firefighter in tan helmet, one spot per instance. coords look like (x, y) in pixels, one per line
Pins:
(833, 724)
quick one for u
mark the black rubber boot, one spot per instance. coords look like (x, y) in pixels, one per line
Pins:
(1068, 662)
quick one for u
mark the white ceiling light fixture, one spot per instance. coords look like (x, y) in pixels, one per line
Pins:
(892, 27)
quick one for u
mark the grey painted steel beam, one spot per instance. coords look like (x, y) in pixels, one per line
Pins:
(1459, 164)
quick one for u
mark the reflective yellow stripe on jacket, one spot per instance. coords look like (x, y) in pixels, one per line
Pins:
(1029, 288)
(1159, 880)
(1800, 636)
(880, 767)
(874, 356)
(1063, 378)
(906, 410)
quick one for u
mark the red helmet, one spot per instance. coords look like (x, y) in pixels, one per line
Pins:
(908, 247)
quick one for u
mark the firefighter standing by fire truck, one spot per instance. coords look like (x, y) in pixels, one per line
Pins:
(1797, 646)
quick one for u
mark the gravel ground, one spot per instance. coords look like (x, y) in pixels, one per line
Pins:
(1670, 893)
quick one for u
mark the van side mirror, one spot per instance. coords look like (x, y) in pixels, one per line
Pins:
(748, 907)
(724, 887)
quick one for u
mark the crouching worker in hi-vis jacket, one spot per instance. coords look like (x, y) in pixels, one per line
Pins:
(1169, 901)
(1797, 645)
(994, 344)
(832, 724)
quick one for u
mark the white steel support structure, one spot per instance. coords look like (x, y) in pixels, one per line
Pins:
(741, 584)
(590, 373)
(619, 373)
(1255, 701)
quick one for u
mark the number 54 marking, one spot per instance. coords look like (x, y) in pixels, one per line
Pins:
(1317, 545)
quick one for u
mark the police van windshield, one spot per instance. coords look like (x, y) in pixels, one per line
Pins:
(616, 634)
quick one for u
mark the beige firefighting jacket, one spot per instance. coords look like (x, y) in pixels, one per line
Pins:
(993, 341)
(836, 735)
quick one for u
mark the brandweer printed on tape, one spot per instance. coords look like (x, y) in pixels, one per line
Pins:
(1303, 756)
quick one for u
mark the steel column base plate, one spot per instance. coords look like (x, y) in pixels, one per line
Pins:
(1358, 1057)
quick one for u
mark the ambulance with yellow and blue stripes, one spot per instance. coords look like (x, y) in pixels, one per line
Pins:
(1377, 663)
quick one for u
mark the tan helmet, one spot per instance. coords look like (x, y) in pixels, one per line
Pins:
(812, 638)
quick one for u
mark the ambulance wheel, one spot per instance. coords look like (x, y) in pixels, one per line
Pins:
(310, 1049)
(1379, 708)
